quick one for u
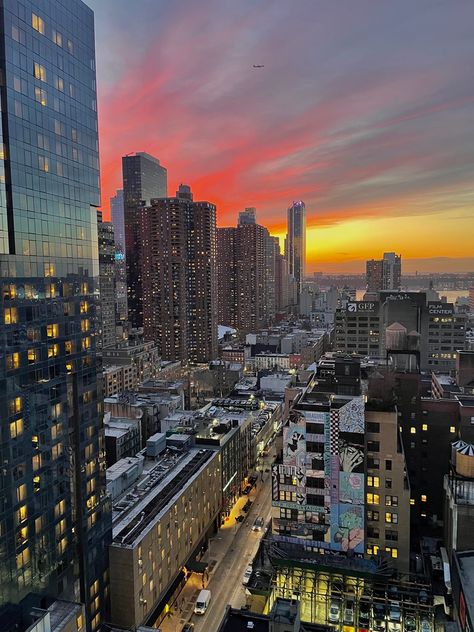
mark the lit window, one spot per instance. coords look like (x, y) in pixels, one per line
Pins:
(391, 518)
(424, 427)
(373, 499)
(393, 551)
(423, 498)
(452, 429)
(373, 481)
(59, 84)
(32, 356)
(84, 307)
(68, 346)
(39, 71)
(10, 316)
(413, 430)
(43, 163)
(40, 96)
(37, 23)
(13, 361)
(16, 428)
(15, 405)
(53, 351)
(412, 501)
(53, 330)
(21, 514)
(23, 558)
(21, 493)
(79, 622)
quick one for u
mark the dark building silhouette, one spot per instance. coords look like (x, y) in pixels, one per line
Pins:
(143, 179)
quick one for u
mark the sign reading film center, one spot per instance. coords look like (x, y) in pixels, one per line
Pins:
(319, 488)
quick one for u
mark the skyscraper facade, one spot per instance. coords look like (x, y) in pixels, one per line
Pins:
(295, 245)
(384, 274)
(248, 216)
(143, 179)
(246, 276)
(54, 514)
(179, 276)
(106, 303)
(118, 221)
(226, 277)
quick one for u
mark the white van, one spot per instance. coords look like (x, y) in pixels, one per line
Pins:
(202, 602)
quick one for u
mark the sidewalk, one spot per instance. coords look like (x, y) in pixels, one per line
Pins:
(182, 610)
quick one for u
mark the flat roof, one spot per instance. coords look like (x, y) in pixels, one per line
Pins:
(466, 571)
(170, 475)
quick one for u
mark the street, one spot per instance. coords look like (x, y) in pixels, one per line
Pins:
(231, 551)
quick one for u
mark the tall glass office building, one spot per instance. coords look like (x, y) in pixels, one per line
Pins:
(54, 514)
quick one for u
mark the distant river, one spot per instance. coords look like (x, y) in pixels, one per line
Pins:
(451, 295)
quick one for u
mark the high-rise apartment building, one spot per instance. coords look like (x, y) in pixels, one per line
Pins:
(54, 513)
(246, 276)
(106, 303)
(295, 244)
(248, 216)
(143, 179)
(118, 219)
(384, 274)
(179, 276)
(226, 277)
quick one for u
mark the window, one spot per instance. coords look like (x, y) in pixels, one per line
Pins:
(391, 535)
(424, 427)
(37, 23)
(388, 483)
(53, 330)
(16, 428)
(43, 163)
(79, 622)
(412, 501)
(39, 71)
(372, 515)
(21, 493)
(452, 429)
(391, 518)
(57, 38)
(15, 406)
(40, 96)
(413, 430)
(59, 84)
(392, 551)
(53, 351)
(32, 356)
(21, 514)
(373, 426)
(423, 498)
(373, 499)
(373, 446)
(23, 558)
(13, 361)
(10, 316)
(391, 501)
(373, 481)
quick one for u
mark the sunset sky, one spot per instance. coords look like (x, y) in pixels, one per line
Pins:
(364, 109)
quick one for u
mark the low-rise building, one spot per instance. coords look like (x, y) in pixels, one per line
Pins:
(123, 437)
(159, 529)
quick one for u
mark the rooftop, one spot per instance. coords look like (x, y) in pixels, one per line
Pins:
(135, 512)
(466, 571)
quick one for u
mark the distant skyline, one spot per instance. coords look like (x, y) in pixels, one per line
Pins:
(366, 116)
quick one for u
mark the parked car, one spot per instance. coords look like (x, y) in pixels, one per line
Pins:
(247, 490)
(394, 612)
(187, 627)
(337, 586)
(247, 573)
(258, 524)
(334, 612)
(425, 624)
(247, 506)
(349, 612)
(378, 614)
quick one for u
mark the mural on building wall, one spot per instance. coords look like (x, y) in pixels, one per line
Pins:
(294, 440)
(351, 416)
(341, 461)
(347, 530)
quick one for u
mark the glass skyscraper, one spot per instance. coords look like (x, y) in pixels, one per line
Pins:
(295, 250)
(54, 514)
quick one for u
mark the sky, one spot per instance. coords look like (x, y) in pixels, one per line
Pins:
(364, 109)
